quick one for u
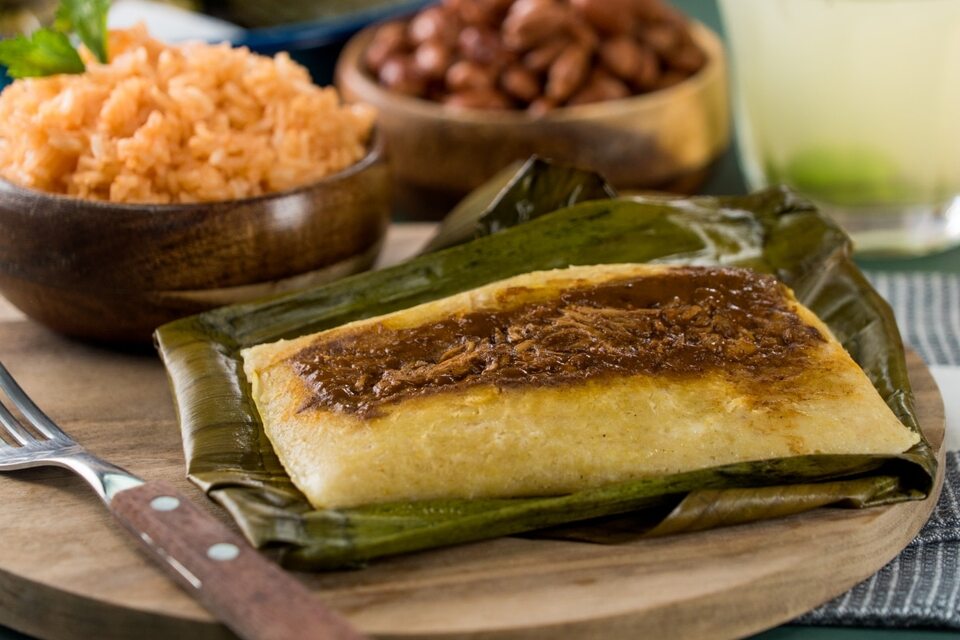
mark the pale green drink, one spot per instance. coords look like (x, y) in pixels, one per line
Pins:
(855, 103)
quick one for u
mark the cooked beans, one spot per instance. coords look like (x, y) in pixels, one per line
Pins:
(534, 54)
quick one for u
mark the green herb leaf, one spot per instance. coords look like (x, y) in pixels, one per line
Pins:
(88, 18)
(44, 53)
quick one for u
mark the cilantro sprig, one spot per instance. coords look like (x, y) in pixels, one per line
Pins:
(48, 52)
(43, 53)
(88, 18)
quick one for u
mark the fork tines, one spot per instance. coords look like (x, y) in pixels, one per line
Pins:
(34, 417)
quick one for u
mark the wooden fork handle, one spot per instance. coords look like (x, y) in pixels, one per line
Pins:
(251, 595)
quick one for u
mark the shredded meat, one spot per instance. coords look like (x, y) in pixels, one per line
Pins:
(679, 322)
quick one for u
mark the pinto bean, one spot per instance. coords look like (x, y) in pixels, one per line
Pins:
(541, 106)
(469, 76)
(656, 11)
(432, 59)
(483, 46)
(433, 23)
(398, 74)
(600, 86)
(567, 73)
(662, 38)
(687, 59)
(539, 59)
(530, 22)
(534, 54)
(487, 13)
(389, 40)
(607, 16)
(647, 72)
(520, 83)
(622, 55)
(583, 35)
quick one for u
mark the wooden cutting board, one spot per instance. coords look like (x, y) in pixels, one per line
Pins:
(67, 571)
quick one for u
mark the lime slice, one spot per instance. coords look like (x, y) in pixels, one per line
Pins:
(845, 176)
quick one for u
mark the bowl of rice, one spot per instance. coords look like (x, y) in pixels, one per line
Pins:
(177, 178)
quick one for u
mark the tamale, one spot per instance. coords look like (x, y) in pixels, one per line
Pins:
(230, 457)
(556, 381)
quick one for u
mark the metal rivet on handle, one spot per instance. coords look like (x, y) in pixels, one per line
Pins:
(164, 503)
(223, 551)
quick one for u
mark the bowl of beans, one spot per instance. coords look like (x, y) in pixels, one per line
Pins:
(630, 88)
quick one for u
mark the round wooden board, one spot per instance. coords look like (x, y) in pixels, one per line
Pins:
(68, 572)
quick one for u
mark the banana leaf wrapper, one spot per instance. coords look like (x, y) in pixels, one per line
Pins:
(500, 233)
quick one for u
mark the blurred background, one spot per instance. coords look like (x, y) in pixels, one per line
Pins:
(314, 32)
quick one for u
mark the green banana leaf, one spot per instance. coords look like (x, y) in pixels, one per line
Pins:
(772, 231)
(517, 194)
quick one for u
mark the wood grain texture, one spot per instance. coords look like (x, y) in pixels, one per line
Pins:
(114, 272)
(662, 140)
(67, 571)
(251, 595)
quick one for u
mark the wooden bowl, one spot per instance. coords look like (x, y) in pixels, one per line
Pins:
(114, 272)
(663, 140)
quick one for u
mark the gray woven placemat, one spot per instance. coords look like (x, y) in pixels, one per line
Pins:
(921, 586)
(927, 306)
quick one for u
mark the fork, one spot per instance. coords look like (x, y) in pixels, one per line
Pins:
(249, 594)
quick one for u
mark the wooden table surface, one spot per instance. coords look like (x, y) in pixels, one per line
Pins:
(68, 572)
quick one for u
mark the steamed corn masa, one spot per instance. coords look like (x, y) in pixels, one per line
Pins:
(555, 381)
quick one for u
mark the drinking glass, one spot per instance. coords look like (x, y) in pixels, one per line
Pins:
(856, 104)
